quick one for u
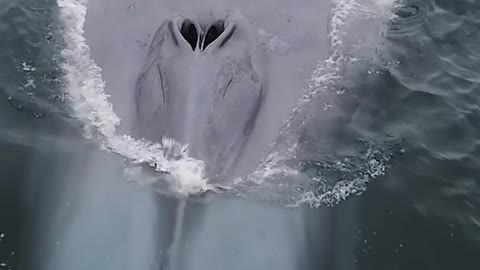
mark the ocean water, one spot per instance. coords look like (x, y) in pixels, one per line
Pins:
(405, 151)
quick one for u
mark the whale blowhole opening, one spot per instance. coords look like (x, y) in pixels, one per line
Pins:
(189, 33)
(213, 32)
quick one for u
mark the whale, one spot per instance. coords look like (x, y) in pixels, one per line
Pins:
(221, 77)
(262, 53)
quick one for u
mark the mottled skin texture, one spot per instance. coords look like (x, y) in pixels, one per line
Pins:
(205, 96)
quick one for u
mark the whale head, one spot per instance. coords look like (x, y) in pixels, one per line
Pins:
(199, 87)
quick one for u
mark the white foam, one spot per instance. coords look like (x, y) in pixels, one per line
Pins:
(85, 87)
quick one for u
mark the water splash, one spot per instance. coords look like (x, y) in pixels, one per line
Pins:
(284, 170)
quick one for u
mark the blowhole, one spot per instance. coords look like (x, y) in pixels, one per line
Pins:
(189, 33)
(215, 30)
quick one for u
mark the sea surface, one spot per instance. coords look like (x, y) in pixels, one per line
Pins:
(420, 97)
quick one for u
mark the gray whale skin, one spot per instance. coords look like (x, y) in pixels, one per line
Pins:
(199, 87)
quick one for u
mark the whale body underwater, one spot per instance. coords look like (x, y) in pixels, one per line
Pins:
(220, 76)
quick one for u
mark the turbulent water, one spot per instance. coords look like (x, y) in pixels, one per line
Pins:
(401, 103)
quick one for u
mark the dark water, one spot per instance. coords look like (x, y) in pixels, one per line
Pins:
(422, 214)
